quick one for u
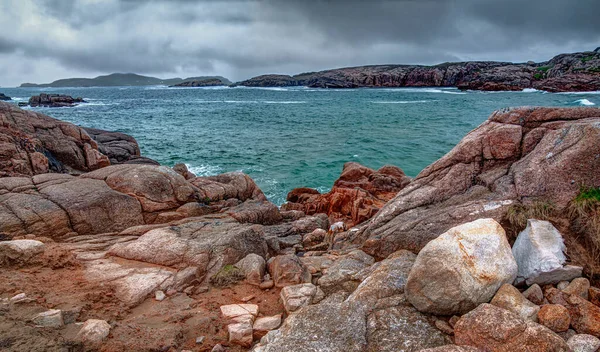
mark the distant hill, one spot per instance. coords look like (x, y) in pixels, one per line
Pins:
(121, 79)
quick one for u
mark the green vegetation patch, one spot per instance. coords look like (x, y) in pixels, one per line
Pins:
(584, 213)
(594, 69)
(227, 276)
(544, 68)
(588, 58)
(538, 76)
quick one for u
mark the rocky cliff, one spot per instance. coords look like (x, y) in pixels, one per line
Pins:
(566, 72)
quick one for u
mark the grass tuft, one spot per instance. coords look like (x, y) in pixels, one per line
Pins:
(584, 213)
(518, 214)
(227, 276)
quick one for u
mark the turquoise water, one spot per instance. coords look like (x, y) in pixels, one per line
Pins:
(291, 137)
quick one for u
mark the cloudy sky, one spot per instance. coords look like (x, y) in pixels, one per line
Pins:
(44, 40)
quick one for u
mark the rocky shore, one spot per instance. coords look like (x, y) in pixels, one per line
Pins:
(563, 73)
(4, 97)
(210, 82)
(494, 247)
(54, 100)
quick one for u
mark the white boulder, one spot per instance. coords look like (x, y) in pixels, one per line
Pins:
(539, 252)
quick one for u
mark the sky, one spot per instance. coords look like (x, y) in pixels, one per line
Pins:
(45, 40)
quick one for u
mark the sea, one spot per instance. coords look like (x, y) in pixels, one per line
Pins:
(291, 137)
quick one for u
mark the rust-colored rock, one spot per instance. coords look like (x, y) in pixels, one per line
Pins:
(585, 316)
(555, 317)
(491, 328)
(355, 197)
(288, 270)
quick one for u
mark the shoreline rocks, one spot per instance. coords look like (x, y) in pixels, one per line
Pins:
(563, 73)
(4, 97)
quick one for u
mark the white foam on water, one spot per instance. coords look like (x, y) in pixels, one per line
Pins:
(595, 92)
(426, 90)
(204, 169)
(583, 102)
(279, 89)
(283, 102)
(402, 102)
(531, 90)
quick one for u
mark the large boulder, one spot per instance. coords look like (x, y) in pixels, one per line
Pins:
(491, 328)
(355, 197)
(518, 156)
(225, 186)
(539, 252)
(54, 100)
(32, 143)
(288, 270)
(461, 269)
(341, 274)
(509, 298)
(119, 147)
(19, 251)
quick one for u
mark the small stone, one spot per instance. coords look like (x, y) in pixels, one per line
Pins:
(218, 348)
(21, 297)
(265, 285)
(583, 343)
(296, 296)
(444, 327)
(562, 285)
(93, 331)
(240, 312)
(453, 320)
(579, 286)
(171, 292)
(594, 295)
(199, 340)
(509, 298)
(534, 294)
(70, 316)
(265, 324)
(247, 298)
(555, 317)
(240, 334)
(50, 319)
(202, 289)
(159, 295)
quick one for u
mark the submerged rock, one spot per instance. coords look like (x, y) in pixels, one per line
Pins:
(461, 269)
(4, 97)
(54, 100)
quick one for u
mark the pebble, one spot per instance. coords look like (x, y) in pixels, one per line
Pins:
(199, 340)
(247, 298)
(159, 295)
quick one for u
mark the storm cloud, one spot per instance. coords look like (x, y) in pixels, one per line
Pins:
(44, 40)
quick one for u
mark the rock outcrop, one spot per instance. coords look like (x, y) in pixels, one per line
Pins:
(120, 148)
(32, 143)
(563, 73)
(54, 100)
(209, 82)
(355, 197)
(518, 156)
(4, 97)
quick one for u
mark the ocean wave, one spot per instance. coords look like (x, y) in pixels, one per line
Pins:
(426, 90)
(531, 90)
(583, 102)
(279, 89)
(595, 92)
(94, 104)
(284, 102)
(402, 102)
(204, 169)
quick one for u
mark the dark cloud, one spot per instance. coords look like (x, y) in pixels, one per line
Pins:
(45, 39)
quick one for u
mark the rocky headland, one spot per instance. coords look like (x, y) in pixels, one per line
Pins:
(4, 97)
(120, 79)
(54, 100)
(563, 73)
(494, 247)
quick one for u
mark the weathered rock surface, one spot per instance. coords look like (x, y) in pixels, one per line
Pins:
(49, 319)
(32, 143)
(208, 244)
(461, 269)
(355, 197)
(295, 297)
(539, 252)
(579, 286)
(340, 275)
(54, 100)
(253, 266)
(518, 156)
(534, 294)
(491, 328)
(4, 97)
(229, 185)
